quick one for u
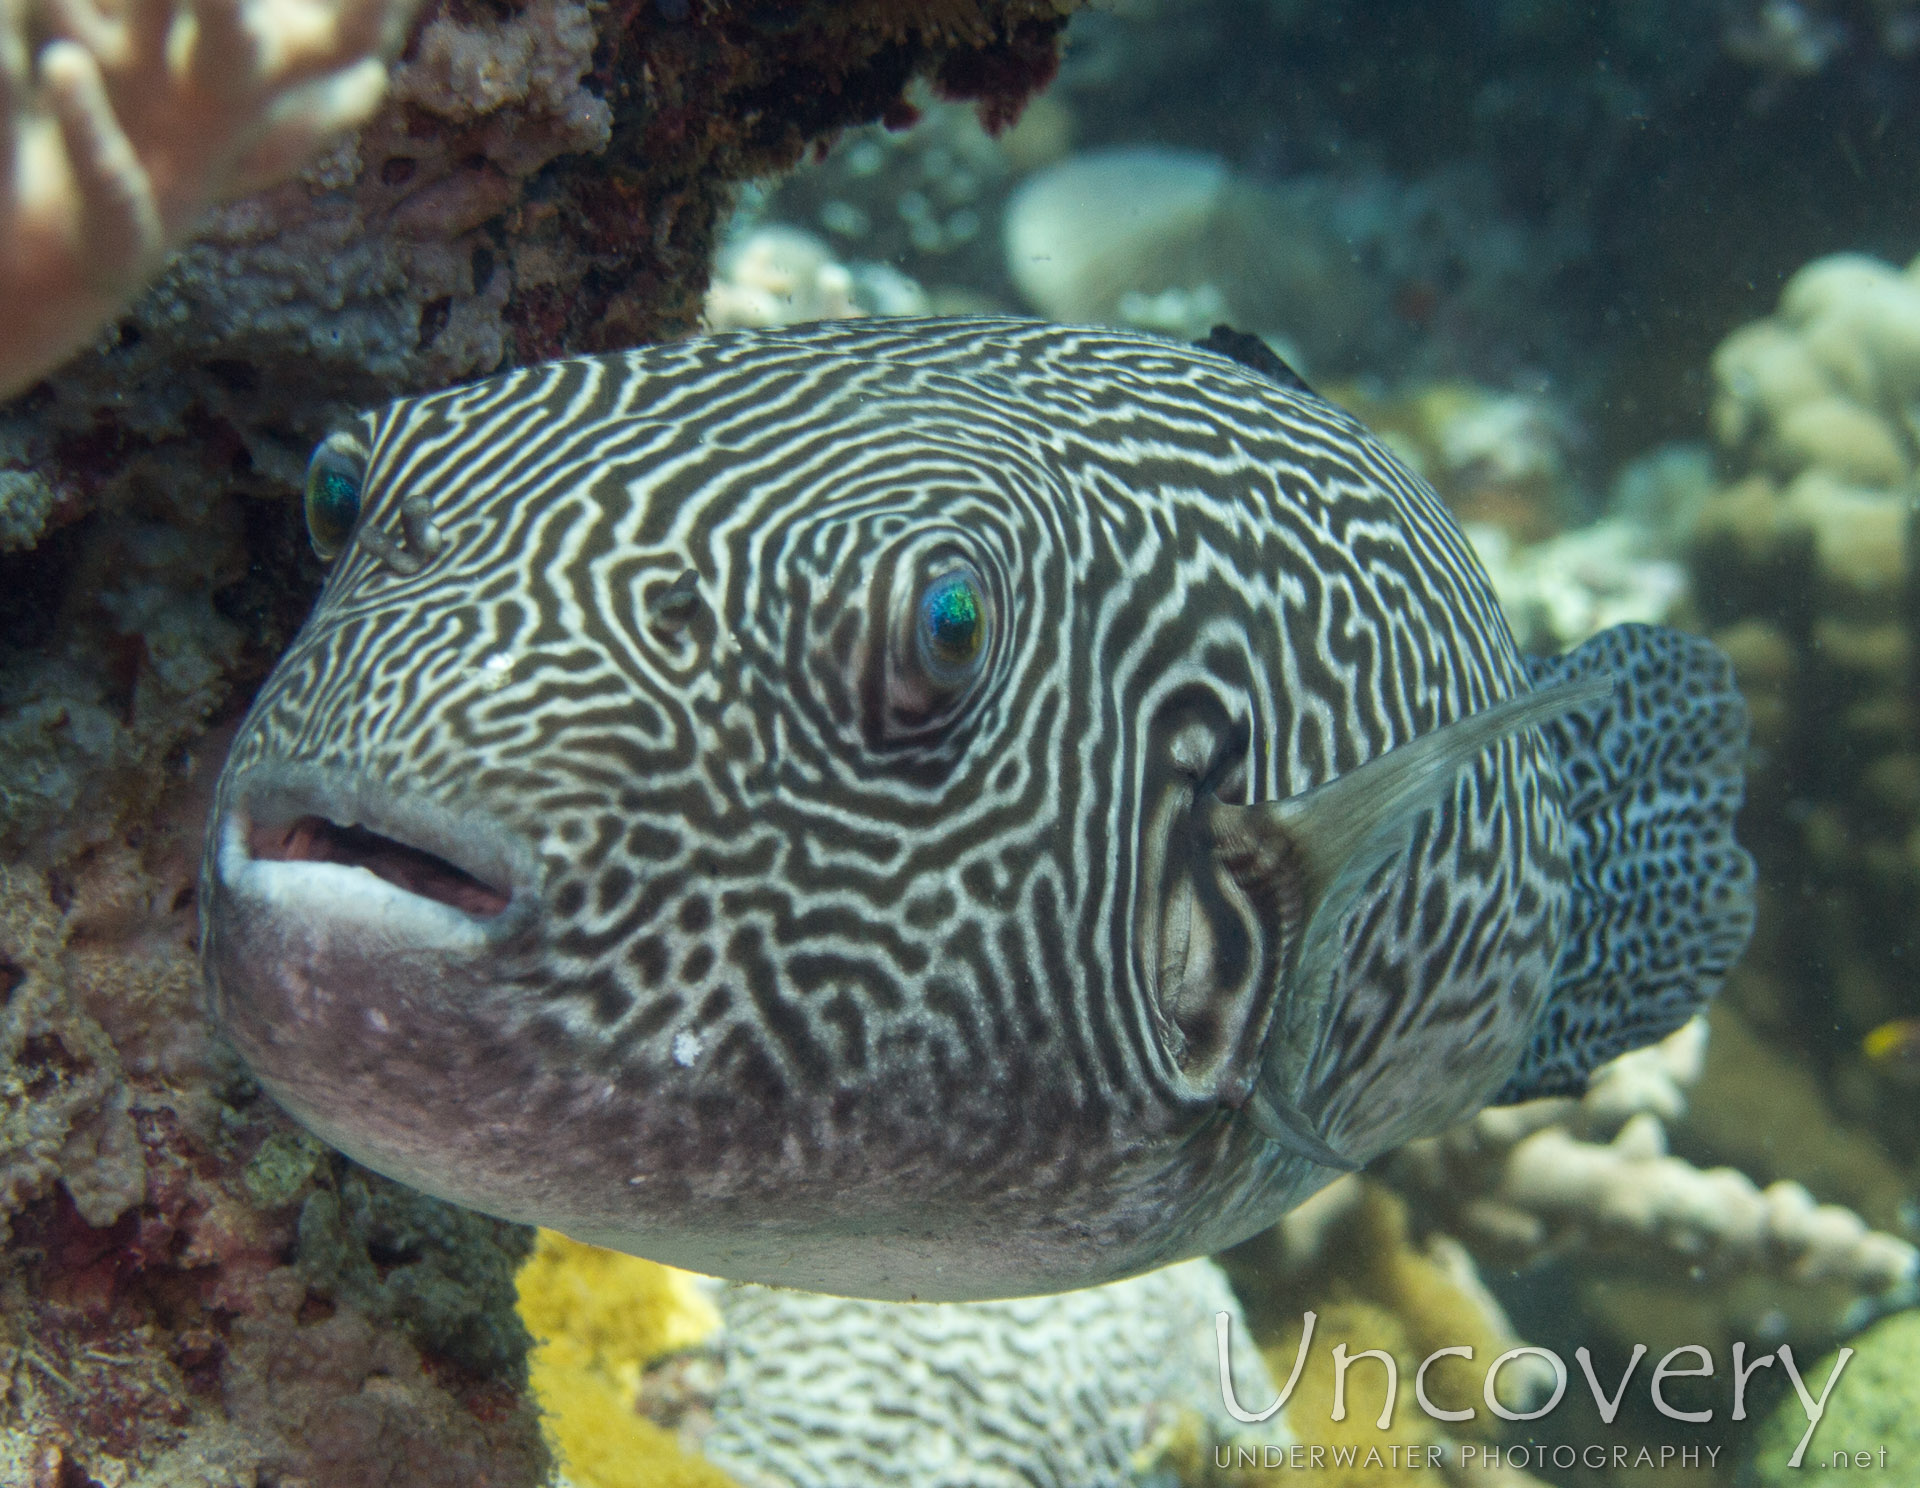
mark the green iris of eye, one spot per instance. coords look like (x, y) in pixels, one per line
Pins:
(333, 501)
(951, 620)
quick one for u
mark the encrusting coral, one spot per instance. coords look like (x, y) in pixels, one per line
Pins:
(126, 124)
(1870, 1429)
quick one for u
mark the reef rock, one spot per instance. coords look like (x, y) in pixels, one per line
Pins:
(193, 1293)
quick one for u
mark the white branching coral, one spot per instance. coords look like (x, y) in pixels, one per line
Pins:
(122, 121)
(1595, 1175)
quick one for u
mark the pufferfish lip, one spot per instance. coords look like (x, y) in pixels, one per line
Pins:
(309, 841)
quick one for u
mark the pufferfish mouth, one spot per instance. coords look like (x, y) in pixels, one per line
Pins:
(308, 841)
(314, 839)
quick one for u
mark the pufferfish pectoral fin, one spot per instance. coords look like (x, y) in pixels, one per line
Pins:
(1286, 1125)
(1302, 861)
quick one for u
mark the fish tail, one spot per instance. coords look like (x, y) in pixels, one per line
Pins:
(1662, 895)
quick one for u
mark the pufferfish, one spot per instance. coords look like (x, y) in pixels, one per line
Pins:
(939, 808)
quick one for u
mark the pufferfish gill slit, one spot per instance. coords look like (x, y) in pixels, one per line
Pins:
(936, 808)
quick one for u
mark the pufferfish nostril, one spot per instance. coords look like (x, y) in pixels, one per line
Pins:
(671, 607)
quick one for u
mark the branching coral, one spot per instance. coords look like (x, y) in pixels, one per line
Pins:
(1518, 1182)
(127, 124)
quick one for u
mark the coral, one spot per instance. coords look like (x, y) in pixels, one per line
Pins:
(1827, 383)
(25, 504)
(601, 1319)
(194, 1294)
(1870, 1426)
(119, 661)
(1348, 1255)
(63, 1102)
(1098, 1386)
(1520, 1181)
(545, 177)
(609, 1308)
(123, 126)
(1761, 1109)
(1171, 240)
(1629, 1193)
(1662, 1252)
(1559, 592)
(444, 1275)
(1802, 564)
(1092, 228)
(776, 275)
(924, 199)
(1349, 270)
(1498, 458)
(1503, 462)
(1617, 288)
(1577, 1196)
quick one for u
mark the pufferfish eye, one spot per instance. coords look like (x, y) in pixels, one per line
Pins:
(952, 627)
(334, 475)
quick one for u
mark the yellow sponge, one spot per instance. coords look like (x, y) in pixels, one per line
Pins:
(598, 1318)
